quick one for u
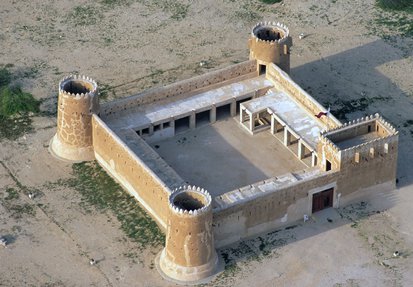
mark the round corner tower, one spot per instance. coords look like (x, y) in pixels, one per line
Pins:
(189, 254)
(77, 102)
(270, 42)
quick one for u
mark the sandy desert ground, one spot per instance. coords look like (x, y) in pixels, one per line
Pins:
(355, 57)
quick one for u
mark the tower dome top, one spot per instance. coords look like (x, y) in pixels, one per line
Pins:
(190, 200)
(77, 86)
(270, 32)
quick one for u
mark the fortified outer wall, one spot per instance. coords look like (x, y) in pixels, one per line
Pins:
(247, 69)
(270, 210)
(383, 145)
(130, 171)
(375, 164)
(283, 82)
(367, 164)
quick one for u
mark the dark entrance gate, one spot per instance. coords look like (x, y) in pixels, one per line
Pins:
(323, 199)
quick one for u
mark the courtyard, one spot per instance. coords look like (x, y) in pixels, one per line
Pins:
(223, 156)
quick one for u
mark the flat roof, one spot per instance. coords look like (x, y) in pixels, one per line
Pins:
(305, 124)
(357, 140)
(143, 116)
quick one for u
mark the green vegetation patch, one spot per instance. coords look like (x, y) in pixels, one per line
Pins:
(395, 18)
(11, 194)
(13, 203)
(14, 127)
(400, 23)
(15, 106)
(177, 9)
(99, 190)
(396, 5)
(84, 15)
(115, 2)
(14, 101)
(5, 77)
(241, 254)
(20, 210)
(271, 1)
(247, 14)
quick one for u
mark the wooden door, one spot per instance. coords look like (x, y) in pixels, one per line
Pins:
(323, 199)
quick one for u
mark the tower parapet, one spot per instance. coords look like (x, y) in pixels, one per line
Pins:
(270, 42)
(359, 142)
(77, 102)
(189, 254)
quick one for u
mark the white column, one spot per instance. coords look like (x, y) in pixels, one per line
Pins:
(233, 108)
(301, 150)
(313, 159)
(213, 114)
(192, 120)
(241, 115)
(172, 124)
(273, 124)
(252, 122)
(287, 136)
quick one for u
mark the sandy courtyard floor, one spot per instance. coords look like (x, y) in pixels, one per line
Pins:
(222, 157)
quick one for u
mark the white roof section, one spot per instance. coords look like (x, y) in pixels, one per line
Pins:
(144, 116)
(298, 119)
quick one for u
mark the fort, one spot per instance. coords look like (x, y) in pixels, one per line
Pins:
(226, 155)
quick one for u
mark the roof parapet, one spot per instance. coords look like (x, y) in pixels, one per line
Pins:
(323, 137)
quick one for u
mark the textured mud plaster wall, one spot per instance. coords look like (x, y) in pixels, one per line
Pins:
(271, 52)
(375, 165)
(74, 119)
(130, 171)
(283, 82)
(326, 150)
(248, 68)
(268, 211)
(360, 129)
(188, 236)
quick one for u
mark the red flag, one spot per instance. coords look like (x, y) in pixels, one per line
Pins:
(320, 114)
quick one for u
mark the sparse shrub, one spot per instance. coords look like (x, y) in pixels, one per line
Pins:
(14, 108)
(98, 189)
(14, 101)
(271, 1)
(398, 19)
(396, 5)
(5, 77)
(84, 15)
